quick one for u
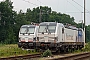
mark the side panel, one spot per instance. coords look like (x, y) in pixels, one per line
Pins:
(80, 36)
(70, 35)
(46, 37)
(59, 34)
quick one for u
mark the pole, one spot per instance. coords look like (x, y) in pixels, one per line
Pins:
(0, 15)
(40, 16)
(84, 24)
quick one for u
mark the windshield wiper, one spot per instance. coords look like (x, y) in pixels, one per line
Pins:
(45, 29)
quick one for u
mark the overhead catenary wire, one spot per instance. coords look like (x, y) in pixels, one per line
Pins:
(31, 3)
(76, 12)
(78, 8)
(74, 6)
(35, 5)
(77, 3)
(81, 6)
(40, 2)
(84, 9)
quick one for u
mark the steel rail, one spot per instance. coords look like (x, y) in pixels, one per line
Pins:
(22, 57)
(82, 56)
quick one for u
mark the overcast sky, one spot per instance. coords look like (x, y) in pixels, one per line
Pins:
(74, 8)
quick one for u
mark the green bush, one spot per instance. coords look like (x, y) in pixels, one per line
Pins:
(85, 49)
(47, 53)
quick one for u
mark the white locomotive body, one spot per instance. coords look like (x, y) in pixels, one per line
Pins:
(56, 36)
(51, 35)
(28, 36)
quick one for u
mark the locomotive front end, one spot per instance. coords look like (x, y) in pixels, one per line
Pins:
(27, 36)
(46, 35)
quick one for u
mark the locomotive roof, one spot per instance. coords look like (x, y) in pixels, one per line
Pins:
(48, 23)
(71, 27)
(28, 26)
(51, 24)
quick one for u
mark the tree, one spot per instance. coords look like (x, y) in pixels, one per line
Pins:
(11, 22)
(88, 33)
(7, 21)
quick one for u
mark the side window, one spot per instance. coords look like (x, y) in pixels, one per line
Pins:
(62, 30)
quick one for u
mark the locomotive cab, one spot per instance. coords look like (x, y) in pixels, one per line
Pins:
(27, 36)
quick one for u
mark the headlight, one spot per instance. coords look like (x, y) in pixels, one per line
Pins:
(21, 39)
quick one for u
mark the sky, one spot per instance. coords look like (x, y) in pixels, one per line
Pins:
(74, 8)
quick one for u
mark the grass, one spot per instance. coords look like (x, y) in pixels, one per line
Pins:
(85, 49)
(13, 50)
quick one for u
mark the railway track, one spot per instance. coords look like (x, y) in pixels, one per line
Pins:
(82, 56)
(22, 57)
